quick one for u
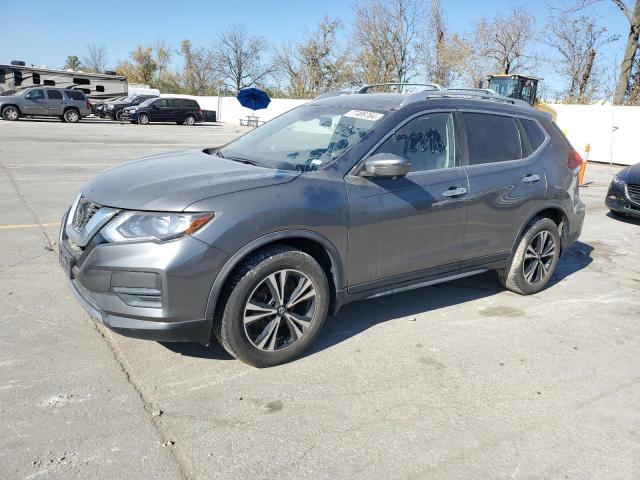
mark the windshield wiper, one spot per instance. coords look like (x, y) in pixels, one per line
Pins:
(246, 162)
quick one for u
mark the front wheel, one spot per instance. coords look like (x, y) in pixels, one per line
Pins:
(535, 259)
(143, 119)
(10, 113)
(277, 302)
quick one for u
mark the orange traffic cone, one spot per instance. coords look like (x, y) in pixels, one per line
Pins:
(583, 168)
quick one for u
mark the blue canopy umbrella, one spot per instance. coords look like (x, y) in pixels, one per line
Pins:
(253, 98)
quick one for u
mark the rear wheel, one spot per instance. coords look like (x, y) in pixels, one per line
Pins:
(72, 116)
(277, 302)
(143, 119)
(190, 120)
(10, 113)
(535, 260)
(118, 116)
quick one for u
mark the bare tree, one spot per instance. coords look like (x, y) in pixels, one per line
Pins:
(386, 33)
(316, 64)
(576, 41)
(200, 75)
(96, 58)
(240, 59)
(507, 41)
(444, 55)
(631, 10)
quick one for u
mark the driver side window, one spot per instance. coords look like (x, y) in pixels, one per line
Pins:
(427, 141)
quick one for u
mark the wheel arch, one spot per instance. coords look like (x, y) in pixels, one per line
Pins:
(2, 107)
(552, 211)
(316, 245)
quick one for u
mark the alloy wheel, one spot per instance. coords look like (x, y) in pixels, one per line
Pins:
(11, 113)
(538, 258)
(279, 310)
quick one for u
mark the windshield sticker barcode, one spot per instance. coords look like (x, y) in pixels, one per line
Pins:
(364, 115)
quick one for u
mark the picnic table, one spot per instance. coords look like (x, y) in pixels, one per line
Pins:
(251, 121)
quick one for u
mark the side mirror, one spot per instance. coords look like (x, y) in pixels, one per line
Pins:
(155, 106)
(385, 165)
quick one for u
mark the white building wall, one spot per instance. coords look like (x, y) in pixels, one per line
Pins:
(612, 132)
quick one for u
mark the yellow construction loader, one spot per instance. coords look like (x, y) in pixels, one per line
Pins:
(521, 87)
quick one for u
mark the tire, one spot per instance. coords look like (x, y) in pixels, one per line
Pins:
(190, 120)
(143, 119)
(530, 274)
(617, 214)
(62, 119)
(72, 116)
(11, 113)
(252, 341)
(180, 123)
(118, 116)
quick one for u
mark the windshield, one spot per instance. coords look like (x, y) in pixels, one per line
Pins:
(148, 102)
(304, 139)
(129, 98)
(502, 86)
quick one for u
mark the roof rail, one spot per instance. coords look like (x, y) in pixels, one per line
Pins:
(430, 86)
(471, 89)
(471, 94)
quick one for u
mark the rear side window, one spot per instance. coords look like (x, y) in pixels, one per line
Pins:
(492, 138)
(74, 95)
(174, 103)
(534, 133)
(54, 95)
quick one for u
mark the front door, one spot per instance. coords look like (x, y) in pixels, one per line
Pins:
(35, 102)
(506, 183)
(413, 226)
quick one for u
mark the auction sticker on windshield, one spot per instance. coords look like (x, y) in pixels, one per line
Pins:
(364, 115)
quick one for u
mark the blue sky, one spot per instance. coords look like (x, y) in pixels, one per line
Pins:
(35, 31)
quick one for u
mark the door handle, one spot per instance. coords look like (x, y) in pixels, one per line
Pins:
(454, 192)
(531, 178)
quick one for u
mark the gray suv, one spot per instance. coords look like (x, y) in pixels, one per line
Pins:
(68, 105)
(344, 198)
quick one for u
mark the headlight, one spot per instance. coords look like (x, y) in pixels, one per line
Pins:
(618, 181)
(137, 226)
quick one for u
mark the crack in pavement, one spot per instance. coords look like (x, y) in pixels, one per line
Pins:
(184, 466)
(21, 196)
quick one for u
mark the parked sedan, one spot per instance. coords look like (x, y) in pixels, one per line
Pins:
(623, 197)
(179, 110)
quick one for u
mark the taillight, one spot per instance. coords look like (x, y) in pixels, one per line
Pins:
(199, 110)
(89, 106)
(574, 162)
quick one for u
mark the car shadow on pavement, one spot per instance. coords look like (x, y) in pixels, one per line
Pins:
(359, 316)
(624, 219)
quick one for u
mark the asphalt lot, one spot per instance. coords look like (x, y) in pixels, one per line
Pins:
(461, 380)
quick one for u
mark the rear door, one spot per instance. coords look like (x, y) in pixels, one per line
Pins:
(55, 105)
(506, 184)
(158, 110)
(35, 102)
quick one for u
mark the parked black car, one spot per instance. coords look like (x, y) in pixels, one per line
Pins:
(623, 197)
(100, 109)
(166, 109)
(114, 110)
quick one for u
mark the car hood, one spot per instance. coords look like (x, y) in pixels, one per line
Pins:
(631, 173)
(173, 181)
(9, 98)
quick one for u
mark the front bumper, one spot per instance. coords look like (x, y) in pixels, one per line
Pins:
(153, 291)
(619, 200)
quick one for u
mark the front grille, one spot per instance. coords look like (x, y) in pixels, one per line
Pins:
(85, 210)
(633, 189)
